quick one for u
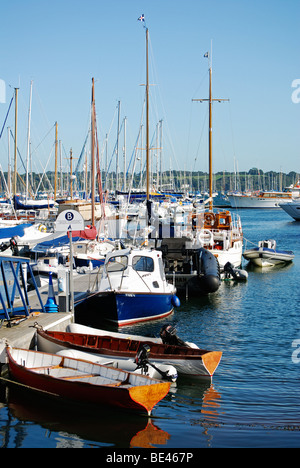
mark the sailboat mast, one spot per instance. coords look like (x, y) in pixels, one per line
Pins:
(117, 149)
(147, 115)
(210, 140)
(9, 164)
(15, 153)
(210, 101)
(55, 168)
(93, 155)
(28, 141)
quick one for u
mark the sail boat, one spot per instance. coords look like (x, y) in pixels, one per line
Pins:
(133, 287)
(219, 231)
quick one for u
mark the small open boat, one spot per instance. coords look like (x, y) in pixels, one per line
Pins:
(83, 381)
(267, 255)
(187, 360)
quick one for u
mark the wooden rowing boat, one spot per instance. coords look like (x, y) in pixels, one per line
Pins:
(187, 360)
(83, 381)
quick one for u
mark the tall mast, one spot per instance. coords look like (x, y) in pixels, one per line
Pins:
(210, 101)
(71, 174)
(15, 153)
(93, 156)
(9, 164)
(28, 140)
(210, 141)
(124, 152)
(117, 149)
(147, 115)
(55, 169)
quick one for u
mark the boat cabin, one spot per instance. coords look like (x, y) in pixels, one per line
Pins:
(267, 244)
(221, 220)
(138, 269)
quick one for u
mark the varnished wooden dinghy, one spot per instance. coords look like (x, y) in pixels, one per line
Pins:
(84, 381)
(187, 360)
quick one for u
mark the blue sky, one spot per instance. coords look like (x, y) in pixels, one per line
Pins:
(61, 44)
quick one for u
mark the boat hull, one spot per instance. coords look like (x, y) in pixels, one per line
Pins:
(245, 201)
(85, 261)
(268, 257)
(123, 308)
(292, 209)
(187, 361)
(74, 384)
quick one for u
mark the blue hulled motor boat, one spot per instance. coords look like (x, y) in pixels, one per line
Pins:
(133, 288)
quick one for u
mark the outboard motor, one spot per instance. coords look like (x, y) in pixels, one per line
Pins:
(14, 246)
(142, 362)
(141, 359)
(168, 336)
(229, 270)
(4, 246)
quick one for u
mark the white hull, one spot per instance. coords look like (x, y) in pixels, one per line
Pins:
(184, 367)
(129, 365)
(292, 209)
(267, 258)
(232, 255)
(245, 201)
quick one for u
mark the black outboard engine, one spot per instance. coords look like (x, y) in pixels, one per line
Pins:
(142, 362)
(168, 336)
(141, 359)
(14, 247)
(4, 246)
(229, 271)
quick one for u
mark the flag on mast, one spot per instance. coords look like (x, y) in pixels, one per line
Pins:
(141, 18)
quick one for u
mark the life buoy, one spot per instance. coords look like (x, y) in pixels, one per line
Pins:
(42, 228)
(205, 237)
(91, 246)
(209, 218)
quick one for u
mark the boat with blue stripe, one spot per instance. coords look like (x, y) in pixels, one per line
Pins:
(133, 288)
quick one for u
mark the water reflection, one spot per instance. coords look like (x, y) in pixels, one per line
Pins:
(196, 396)
(76, 426)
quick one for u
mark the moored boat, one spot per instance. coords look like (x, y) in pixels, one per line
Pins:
(195, 271)
(83, 381)
(263, 199)
(292, 208)
(132, 289)
(188, 360)
(267, 255)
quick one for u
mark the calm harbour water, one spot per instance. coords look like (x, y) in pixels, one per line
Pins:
(254, 397)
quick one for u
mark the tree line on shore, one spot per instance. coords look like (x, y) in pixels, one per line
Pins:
(176, 180)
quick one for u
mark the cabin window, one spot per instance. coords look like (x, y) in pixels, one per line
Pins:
(117, 263)
(143, 264)
(161, 269)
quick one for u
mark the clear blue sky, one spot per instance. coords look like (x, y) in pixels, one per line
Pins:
(62, 44)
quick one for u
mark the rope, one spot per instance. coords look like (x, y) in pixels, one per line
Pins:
(13, 382)
(250, 242)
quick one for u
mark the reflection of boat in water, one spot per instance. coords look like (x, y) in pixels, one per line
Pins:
(267, 254)
(87, 426)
